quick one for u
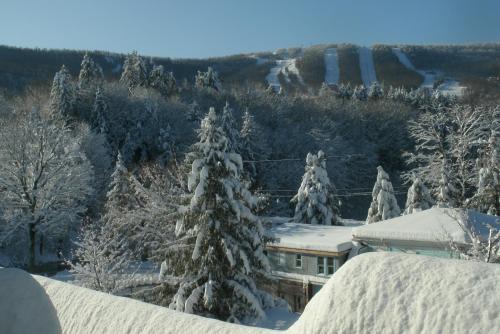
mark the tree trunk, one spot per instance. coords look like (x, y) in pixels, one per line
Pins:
(32, 252)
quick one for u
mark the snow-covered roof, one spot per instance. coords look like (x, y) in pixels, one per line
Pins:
(383, 292)
(432, 225)
(300, 277)
(463, 298)
(324, 238)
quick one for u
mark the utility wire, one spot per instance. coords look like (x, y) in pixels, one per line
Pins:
(340, 195)
(302, 159)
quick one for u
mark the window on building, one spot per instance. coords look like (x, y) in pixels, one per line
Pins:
(329, 266)
(282, 259)
(297, 303)
(326, 265)
(298, 260)
(321, 265)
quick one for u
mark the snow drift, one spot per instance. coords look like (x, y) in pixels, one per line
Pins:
(401, 293)
(372, 293)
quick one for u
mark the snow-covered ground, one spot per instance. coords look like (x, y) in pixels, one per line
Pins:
(371, 293)
(448, 87)
(367, 67)
(332, 74)
(276, 318)
(285, 66)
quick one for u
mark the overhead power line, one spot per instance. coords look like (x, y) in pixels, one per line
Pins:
(302, 159)
(340, 195)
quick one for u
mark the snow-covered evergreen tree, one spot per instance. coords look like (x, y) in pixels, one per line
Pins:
(316, 201)
(134, 71)
(228, 124)
(100, 113)
(344, 92)
(62, 94)
(375, 91)
(194, 112)
(384, 204)
(162, 81)
(122, 209)
(418, 198)
(445, 192)
(487, 197)
(224, 251)
(208, 79)
(90, 73)
(360, 93)
(248, 141)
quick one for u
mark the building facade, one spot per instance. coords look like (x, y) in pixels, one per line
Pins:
(303, 257)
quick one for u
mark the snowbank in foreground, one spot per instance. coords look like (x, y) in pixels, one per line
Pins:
(372, 293)
(399, 293)
(35, 304)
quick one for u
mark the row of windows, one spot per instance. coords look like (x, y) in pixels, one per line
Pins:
(324, 265)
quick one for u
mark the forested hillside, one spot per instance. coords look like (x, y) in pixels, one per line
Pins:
(127, 144)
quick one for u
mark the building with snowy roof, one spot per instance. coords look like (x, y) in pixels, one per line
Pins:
(303, 257)
(429, 232)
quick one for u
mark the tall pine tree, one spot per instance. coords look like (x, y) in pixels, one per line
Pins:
(229, 128)
(134, 71)
(62, 94)
(487, 197)
(224, 251)
(248, 140)
(163, 81)
(90, 73)
(100, 113)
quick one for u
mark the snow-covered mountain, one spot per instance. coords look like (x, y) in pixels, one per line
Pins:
(449, 68)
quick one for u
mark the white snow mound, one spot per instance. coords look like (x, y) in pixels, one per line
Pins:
(402, 293)
(372, 293)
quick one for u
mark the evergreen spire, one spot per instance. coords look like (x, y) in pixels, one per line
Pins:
(487, 197)
(100, 112)
(62, 94)
(384, 204)
(445, 191)
(229, 127)
(418, 198)
(223, 237)
(163, 81)
(90, 73)
(316, 201)
(134, 71)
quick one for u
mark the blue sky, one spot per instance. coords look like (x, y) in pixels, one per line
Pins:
(188, 28)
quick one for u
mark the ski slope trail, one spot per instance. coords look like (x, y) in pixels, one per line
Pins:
(448, 87)
(286, 67)
(332, 74)
(367, 67)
